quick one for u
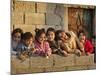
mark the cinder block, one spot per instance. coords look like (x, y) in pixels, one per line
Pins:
(56, 27)
(24, 6)
(55, 69)
(41, 62)
(61, 61)
(53, 19)
(18, 6)
(26, 28)
(34, 18)
(84, 60)
(73, 68)
(17, 18)
(91, 59)
(36, 70)
(46, 7)
(92, 66)
(17, 66)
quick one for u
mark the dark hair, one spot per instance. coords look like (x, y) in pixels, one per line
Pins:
(68, 34)
(81, 31)
(27, 35)
(57, 34)
(17, 30)
(39, 32)
(50, 29)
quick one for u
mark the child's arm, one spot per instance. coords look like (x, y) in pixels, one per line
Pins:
(47, 49)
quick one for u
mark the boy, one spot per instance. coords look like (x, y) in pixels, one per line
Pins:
(26, 47)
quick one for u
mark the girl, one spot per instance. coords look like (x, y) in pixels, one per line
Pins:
(85, 43)
(42, 46)
(51, 39)
(16, 38)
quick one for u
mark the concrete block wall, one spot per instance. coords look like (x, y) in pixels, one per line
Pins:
(37, 15)
(55, 63)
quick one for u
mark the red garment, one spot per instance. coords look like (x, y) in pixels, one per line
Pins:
(88, 46)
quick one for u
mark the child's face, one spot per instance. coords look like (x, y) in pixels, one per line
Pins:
(82, 39)
(63, 36)
(51, 36)
(42, 38)
(28, 42)
(17, 37)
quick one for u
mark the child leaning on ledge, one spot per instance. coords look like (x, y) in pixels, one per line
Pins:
(42, 46)
(85, 43)
(26, 47)
(68, 43)
(51, 40)
(15, 39)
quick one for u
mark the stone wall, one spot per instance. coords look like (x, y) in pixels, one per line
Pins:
(31, 15)
(53, 64)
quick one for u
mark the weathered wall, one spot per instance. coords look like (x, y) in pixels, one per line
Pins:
(54, 63)
(31, 15)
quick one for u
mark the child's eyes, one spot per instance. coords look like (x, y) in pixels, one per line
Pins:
(17, 36)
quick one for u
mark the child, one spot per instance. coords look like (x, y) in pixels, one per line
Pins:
(51, 39)
(69, 43)
(60, 36)
(42, 46)
(16, 38)
(26, 47)
(86, 44)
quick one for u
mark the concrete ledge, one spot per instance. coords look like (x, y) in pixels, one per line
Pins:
(53, 64)
(17, 66)
(73, 68)
(61, 61)
(84, 60)
(41, 62)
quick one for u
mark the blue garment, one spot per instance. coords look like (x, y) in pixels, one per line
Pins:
(23, 47)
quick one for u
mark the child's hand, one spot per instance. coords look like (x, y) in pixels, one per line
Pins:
(83, 53)
(46, 55)
(33, 50)
(88, 53)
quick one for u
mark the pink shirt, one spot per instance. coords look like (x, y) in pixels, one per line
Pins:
(42, 50)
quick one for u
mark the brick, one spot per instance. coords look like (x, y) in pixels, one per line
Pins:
(19, 67)
(41, 62)
(84, 60)
(61, 61)
(53, 19)
(17, 18)
(24, 6)
(34, 18)
(26, 28)
(46, 7)
(73, 68)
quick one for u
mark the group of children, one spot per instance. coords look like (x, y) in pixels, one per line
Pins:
(50, 42)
